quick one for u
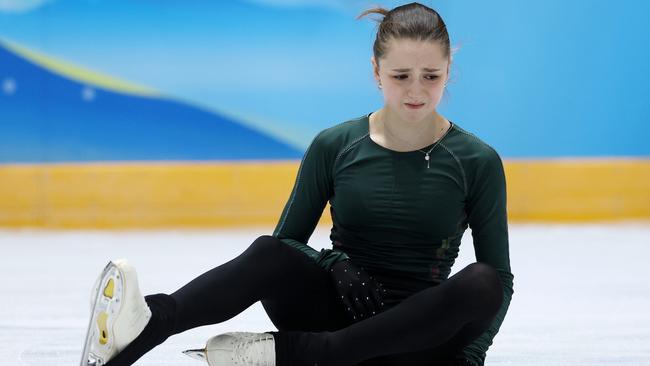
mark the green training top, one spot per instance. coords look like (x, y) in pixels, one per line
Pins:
(398, 218)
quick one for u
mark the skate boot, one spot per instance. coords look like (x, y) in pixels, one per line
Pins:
(237, 348)
(118, 313)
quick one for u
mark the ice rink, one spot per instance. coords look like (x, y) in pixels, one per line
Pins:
(582, 292)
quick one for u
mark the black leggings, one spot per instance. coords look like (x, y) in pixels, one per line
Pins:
(428, 328)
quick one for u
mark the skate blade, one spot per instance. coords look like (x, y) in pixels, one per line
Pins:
(197, 354)
(98, 317)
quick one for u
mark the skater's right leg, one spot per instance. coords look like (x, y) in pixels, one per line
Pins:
(268, 269)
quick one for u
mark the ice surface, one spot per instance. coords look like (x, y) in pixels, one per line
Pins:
(582, 292)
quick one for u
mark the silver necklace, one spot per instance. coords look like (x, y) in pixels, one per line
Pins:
(426, 153)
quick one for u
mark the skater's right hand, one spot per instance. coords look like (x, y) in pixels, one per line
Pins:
(360, 294)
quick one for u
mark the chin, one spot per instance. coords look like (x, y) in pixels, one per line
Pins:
(416, 113)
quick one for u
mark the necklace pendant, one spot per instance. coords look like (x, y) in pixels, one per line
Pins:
(426, 157)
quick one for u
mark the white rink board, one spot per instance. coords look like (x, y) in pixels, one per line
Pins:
(582, 292)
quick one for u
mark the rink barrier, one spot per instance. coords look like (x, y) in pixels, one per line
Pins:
(192, 194)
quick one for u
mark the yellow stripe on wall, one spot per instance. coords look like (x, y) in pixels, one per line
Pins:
(569, 190)
(151, 195)
(144, 195)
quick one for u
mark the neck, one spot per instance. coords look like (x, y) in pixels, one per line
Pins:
(409, 135)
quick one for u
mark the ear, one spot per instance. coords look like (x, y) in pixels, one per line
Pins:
(375, 68)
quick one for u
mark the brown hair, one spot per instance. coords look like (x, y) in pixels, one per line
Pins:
(412, 21)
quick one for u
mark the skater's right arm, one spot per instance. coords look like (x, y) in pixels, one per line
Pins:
(311, 191)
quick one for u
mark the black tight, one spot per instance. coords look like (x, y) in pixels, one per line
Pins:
(428, 328)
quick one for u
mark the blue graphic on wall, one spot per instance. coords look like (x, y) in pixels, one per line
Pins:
(50, 118)
(549, 79)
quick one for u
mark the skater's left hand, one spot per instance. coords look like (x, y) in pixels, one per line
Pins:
(360, 293)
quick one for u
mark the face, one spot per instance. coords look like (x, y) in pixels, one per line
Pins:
(405, 79)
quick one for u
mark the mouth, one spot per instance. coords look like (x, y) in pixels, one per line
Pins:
(414, 105)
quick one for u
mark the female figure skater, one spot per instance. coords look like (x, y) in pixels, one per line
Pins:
(404, 183)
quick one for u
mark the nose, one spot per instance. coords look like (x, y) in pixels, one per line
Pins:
(416, 90)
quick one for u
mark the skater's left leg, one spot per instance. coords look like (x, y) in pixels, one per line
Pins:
(433, 323)
(441, 355)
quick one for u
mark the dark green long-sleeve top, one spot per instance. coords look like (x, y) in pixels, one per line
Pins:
(399, 219)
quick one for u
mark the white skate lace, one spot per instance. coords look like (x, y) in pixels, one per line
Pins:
(256, 350)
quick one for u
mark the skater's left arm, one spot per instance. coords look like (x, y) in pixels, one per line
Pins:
(487, 216)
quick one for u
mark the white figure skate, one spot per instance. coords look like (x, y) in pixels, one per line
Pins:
(119, 313)
(237, 348)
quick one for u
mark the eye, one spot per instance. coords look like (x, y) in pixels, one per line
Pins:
(402, 77)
